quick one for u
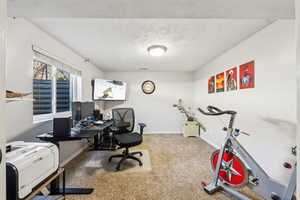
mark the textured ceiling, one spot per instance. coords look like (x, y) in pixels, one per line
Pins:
(266, 9)
(121, 44)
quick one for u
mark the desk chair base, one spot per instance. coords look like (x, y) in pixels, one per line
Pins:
(126, 155)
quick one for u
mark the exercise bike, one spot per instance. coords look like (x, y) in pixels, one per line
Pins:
(234, 167)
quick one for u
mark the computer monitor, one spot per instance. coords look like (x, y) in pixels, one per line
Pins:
(87, 109)
(82, 110)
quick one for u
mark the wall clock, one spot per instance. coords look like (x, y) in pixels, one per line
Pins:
(148, 87)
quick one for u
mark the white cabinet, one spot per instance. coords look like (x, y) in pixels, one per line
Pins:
(191, 129)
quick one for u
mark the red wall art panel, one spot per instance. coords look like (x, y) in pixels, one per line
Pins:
(247, 75)
(220, 82)
(211, 84)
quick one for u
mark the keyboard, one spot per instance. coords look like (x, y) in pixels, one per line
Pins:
(99, 122)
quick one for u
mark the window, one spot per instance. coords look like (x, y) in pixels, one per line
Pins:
(42, 88)
(63, 96)
(55, 86)
(51, 91)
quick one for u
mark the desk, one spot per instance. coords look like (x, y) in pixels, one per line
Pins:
(77, 133)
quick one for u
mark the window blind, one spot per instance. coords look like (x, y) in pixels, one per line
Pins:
(42, 88)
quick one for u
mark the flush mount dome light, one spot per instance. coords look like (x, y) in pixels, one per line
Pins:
(143, 68)
(157, 50)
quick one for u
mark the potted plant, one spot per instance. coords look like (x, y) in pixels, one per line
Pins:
(189, 115)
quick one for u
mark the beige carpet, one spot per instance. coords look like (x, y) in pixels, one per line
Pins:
(176, 167)
(99, 163)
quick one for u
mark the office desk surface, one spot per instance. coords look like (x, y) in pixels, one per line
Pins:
(77, 133)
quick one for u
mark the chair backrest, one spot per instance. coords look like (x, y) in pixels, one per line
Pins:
(123, 119)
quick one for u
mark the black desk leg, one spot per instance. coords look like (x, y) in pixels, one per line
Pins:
(55, 189)
(54, 186)
(64, 183)
(96, 138)
(77, 191)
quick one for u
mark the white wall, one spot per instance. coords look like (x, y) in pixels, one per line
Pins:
(156, 110)
(2, 93)
(21, 36)
(268, 111)
(297, 32)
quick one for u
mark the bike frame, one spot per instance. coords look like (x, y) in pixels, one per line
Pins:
(266, 187)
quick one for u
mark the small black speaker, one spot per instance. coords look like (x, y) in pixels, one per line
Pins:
(62, 127)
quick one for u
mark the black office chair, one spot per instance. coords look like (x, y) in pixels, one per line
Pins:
(123, 126)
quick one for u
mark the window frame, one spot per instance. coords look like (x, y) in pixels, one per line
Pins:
(50, 116)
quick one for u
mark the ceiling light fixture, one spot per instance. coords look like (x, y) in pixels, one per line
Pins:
(157, 50)
(143, 68)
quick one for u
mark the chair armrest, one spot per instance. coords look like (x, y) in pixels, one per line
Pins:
(142, 126)
(113, 129)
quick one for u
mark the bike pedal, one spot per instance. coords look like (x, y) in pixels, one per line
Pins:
(253, 180)
(203, 183)
(287, 165)
(275, 197)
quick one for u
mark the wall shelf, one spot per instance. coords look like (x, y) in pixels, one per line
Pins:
(8, 100)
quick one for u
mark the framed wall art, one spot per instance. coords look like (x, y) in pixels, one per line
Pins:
(211, 84)
(247, 75)
(220, 82)
(231, 79)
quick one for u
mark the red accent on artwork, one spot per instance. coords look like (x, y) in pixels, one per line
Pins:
(247, 75)
(220, 82)
(211, 84)
(237, 166)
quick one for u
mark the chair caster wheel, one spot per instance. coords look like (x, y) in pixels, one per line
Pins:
(117, 169)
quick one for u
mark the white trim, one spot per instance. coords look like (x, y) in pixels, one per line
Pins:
(209, 142)
(59, 62)
(49, 117)
(42, 118)
(163, 132)
(76, 92)
(53, 89)
(63, 114)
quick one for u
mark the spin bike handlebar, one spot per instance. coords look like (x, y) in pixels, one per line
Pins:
(216, 111)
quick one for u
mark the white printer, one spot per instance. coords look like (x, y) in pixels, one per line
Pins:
(27, 165)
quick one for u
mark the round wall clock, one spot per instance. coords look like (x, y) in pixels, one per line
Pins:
(148, 87)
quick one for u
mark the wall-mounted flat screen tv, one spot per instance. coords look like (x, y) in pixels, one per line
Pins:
(109, 90)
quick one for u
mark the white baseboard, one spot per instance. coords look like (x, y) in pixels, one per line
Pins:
(210, 143)
(163, 132)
